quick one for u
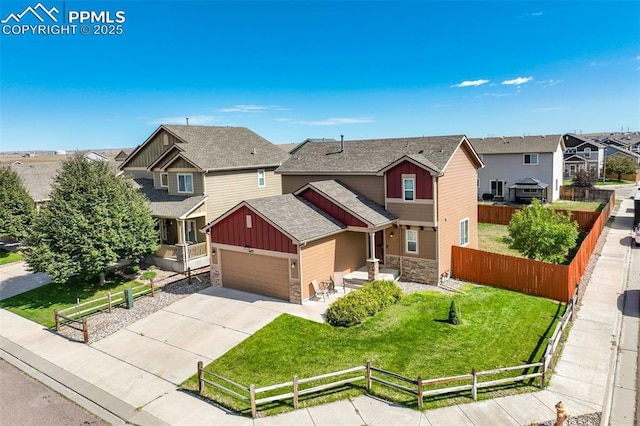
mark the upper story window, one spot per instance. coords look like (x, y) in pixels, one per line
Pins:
(185, 183)
(262, 180)
(530, 159)
(464, 232)
(164, 180)
(587, 153)
(571, 150)
(409, 189)
(412, 241)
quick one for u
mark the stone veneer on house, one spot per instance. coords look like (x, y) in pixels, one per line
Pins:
(414, 269)
(295, 291)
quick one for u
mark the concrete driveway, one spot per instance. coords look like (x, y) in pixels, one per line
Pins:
(16, 279)
(200, 327)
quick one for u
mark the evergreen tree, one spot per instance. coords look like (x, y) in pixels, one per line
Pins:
(94, 219)
(17, 209)
(453, 314)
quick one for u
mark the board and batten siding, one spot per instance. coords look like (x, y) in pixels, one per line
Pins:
(331, 209)
(395, 246)
(198, 181)
(456, 201)
(423, 179)
(344, 252)
(153, 149)
(179, 163)
(370, 186)
(226, 189)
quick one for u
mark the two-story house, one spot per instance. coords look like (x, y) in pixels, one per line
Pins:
(401, 203)
(192, 173)
(520, 168)
(582, 154)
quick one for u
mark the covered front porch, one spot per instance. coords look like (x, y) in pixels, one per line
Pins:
(182, 246)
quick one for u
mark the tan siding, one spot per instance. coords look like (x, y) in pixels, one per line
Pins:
(370, 186)
(412, 211)
(267, 275)
(426, 242)
(180, 163)
(139, 174)
(344, 252)
(152, 150)
(456, 201)
(226, 189)
(198, 181)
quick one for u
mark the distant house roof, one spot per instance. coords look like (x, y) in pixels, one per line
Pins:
(38, 178)
(218, 148)
(370, 156)
(120, 156)
(94, 156)
(287, 147)
(615, 150)
(517, 144)
(165, 205)
(353, 202)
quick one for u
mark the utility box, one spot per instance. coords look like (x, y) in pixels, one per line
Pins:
(128, 298)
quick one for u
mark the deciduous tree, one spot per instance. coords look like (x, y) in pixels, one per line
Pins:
(17, 209)
(94, 219)
(541, 233)
(618, 164)
(585, 178)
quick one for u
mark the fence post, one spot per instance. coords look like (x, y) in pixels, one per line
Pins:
(295, 392)
(252, 397)
(474, 384)
(153, 288)
(420, 401)
(200, 384)
(368, 377)
(544, 371)
(109, 300)
(57, 319)
(85, 330)
(189, 272)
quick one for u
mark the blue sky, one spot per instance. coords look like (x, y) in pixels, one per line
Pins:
(291, 70)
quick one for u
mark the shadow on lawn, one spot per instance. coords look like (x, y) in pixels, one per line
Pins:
(544, 338)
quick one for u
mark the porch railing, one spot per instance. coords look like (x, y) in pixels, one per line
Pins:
(166, 250)
(197, 250)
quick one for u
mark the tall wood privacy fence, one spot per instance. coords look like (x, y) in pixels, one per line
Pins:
(528, 276)
(368, 375)
(585, 194)
(501, 215)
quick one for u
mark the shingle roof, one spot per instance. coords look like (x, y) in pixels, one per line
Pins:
(164, 204)
(220, 148)
(354, 202)
(516, 144)
(368, 156)
(295, 216)
(38, 178)
(529, 183)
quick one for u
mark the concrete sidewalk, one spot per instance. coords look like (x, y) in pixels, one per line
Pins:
(583, 374)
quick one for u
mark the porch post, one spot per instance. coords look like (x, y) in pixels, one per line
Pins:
(373, 266)
(181, 236)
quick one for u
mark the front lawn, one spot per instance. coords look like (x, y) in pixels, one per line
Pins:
(38, 304)
(491, 238)
(9, 256)
(499, 328)
(614, 182)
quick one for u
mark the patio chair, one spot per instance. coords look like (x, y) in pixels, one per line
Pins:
(338, 279)
(319, 290)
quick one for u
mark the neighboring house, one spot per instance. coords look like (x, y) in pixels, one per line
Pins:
(582, 154)
(347, 206)
(38, 179)
(122, 155)
(614, 151)
(94, 156)
(520, 168)
(193, 173)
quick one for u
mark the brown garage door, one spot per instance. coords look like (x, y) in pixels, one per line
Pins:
(255, 273)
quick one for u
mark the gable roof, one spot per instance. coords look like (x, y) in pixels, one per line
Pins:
(370, 156)
(165, 205)
(38, 178)
(614, 150)
(353, 202)
(517, 144)
(297, 218)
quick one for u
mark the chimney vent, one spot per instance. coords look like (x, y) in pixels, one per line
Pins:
(341, 143)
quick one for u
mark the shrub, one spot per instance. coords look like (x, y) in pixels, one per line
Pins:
(147, 275)
(358, 305)
(133, 269)
(453, 314)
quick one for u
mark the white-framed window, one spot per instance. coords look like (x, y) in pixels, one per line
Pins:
(411, 241)
(497, 188)
(190, 231)
(249, 221)
(587, 153)
(185, 183)
(262, 180)
(571, 150)
(464, 232)
(409, 189)
(530, 159)
(164, 180)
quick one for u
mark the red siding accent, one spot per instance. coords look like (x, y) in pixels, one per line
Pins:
(424, 183)
(233, 230)
(332, 209)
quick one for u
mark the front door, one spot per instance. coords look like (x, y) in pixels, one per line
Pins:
(380, 246)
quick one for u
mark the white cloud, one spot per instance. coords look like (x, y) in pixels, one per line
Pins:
(336, 121)
(195, 120)
(250, 108)
(535, 14)
(549, 83)
(468, 83)
(518, 81)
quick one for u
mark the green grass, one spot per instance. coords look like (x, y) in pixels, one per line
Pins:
(38, 304)
(491, 238)
(587, 206)
(9, 256)
(147, 275)
(614, 182)
(499, 328)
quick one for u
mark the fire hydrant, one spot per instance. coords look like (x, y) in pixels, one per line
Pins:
(561, 414)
